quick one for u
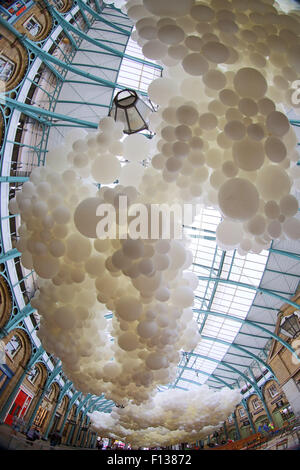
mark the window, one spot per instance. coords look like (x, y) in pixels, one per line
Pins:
(246, 423)
(7, 68)
(33, 374)
(13, 346)
(273, 390)
(49, 393)
(59, 4)
(256, 403)
(32, 26)
(230, 419)
(242, 412)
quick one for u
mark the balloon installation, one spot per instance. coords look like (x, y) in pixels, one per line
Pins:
(118, 311)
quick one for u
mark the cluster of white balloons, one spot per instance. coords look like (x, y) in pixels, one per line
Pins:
(222, 136)
(222, 139)
(82, 278)
(171, 417)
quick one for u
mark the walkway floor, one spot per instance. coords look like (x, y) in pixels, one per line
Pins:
(9, 441)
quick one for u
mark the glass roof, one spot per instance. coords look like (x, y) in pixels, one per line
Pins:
(136, 75)
(212, 265)
(228, 282)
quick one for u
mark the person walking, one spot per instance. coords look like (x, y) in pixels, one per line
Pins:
(99, 444)
(55, 439)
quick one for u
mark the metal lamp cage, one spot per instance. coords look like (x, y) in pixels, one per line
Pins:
(291, 325)
(132, 111)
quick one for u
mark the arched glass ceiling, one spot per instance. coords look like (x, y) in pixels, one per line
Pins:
(229, 292)
(238, 298)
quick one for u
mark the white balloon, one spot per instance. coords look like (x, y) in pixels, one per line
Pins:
(106, 169)
(238, 199)
(136, 147)
(85, 217)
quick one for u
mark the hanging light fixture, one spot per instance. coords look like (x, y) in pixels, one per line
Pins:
(132, 111)
(291, 325)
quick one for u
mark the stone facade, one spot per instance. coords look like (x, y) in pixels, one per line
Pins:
(286, 367)
(12, 51)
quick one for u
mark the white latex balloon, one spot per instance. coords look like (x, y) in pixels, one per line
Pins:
(229, 233)
(170, 34)
(173, 9)
(291, 228)
(161, 90)
(215, 52)
(238, 199)
(128, 341)
(46, 266)
(154, 50)
(136, 147)
(273, 182)
(106, 169)
(248, 154)
(78, 248)
(275, 149)
(289, 205)
(250, 83)
(147, 328)
(277, 123)
(132, 174)
(156, 361)
(183, 297)
(195, 64)
(85, 217)
(129, 308)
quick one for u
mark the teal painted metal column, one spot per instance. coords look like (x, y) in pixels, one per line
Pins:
(15, 320)
(84, 431)
(101, 18)
(16, 388)
(71, 402)
(260, 394)
(245, 405)
(70, 437)
(11, 254)
(36, 112)
(98, 6)
(81, 404)
(237, 429)
(78, 431)
(13, 179)
(60, 397)
(51, 420)
(88, 438)
(50, 379)
(93, 440)
(225, 430)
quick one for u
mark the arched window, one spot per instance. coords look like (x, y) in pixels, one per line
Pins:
(13, 346)
(32, 26)
(32, 376)
(256, 403)
(273, 391)
(7, 68)
(59, 4)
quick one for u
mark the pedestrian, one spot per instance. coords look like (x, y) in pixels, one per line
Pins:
(266, 428)
(33, 434)
(15, 424)
(22, 424)
(55, 439)
(99, 444)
